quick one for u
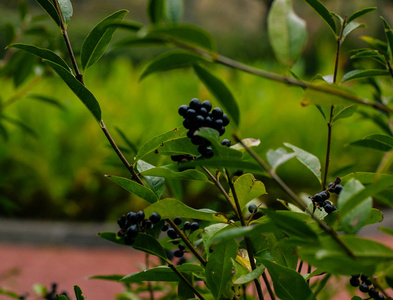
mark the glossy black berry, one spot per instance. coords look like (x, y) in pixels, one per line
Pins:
(373, 293)
(122, 221)
(197, 140)
(208, 153)
(177, 220)
(155, 218)
(226, 142)
(181, 247)
(132, 218)
(354, 281)
(199, 120)
(221, 131)
(325, 195)
(225, 119)
(186, 225)
(183, 110)
(330, 184)
(191, 114)
(169, 255)
(132, 231)
(140, 215)
(380, 297)
(208, 122)
(203, 111)
(165, 227)
(195, 103)
(252, 208)
(365, 280)
(217, 113)
(337, 189)
(129, 240)
(194, 226)
(328, 207)
(337, 180)
(207, 105)
(178, 253)
(187, 124)
(146, 224)
(317, 198)
(171, 233)
(363, 288)
(218, 123)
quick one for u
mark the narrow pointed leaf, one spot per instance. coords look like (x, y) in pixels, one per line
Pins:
(66, 10)
(221, 91)
(278, 157)
(389, 36)
(99, 38)
(27, 129)
(157, 184)
(352, 27)
(169, 61)
(360, 13)
(250, 276)
(156, 11)
(50, 9)
(42, 53)
(78, 293)
(48, 100)
(324, 13)
(379, 142)
(175, 172)
(135, 188)
(169, 208)
(79, 89)
(342, 112)
(173, 10)
(360, 74)
(114, 277)
(307, 159)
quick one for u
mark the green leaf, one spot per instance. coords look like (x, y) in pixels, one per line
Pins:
(157, 184)
(184, 33)
(355, 219)
(9, 293)
(389, 37)
(247, 188)
(156, 10)
(169, 208)
(42, 53)
(175, 172)
(352, 27)
(369, 53)
(324, 13)
(66, 10)
(364, 177)
(360, 74)
(48, 100)
(360, 13)
(50, 9)
(386, 230)
(287, 32)
(219, 268)
(288, 284)
(169, 61)
(143, 242)
(342, 112)
(78, 293)
(255, 274)
(221, 91)
(161, 273)
(278, 157)
(114, 277)
(332, 258)
(27, 129)
(79, 89)
(61, 297)
(381, 46)
(173, 10)
(376, 141)
(154, 143)
(99, 38)
(323, 98)
(307, 159)
(333, 219)
(248, 142)
(209, 233)
(184, 292)
(177, 146)
(135, 188)
(24, 69)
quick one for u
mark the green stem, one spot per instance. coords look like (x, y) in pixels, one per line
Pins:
(248, 242)
(322, 284)
(149, 286)
(295, 198)
(185, 280)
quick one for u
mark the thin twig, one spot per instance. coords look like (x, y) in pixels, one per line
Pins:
(185, 280)
(322, 284)
(296, 199)
(299, 269)
(149, 285)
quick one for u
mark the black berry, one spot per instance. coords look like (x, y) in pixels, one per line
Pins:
(317, 198)
(324, 195)
(328, 207)
(203, 111)
(181, 247)
(365, 280)
(146, 224)
(226, 142)
(207, 105)
(337, 189)
(218, 123)
(225, 119)
(217, 113)
(183, 110)
(252, 208)
(191, 113)
(186, 225)
(132, 218)
(169, 255)
(363, 288)
(155, 218)
(171, 233)
(140, 215)
(177, 220)
(165, 227)
(132, 231)
(195, 103)
(178, 253)
(380, 297)
(354, 281)
(337, 180)
(194, 226)
(122, 221)
(373, 293)
(129, 240)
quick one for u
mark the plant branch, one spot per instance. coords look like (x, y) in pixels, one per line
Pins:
(248, 242)
(149, 286)
(185, 280)
(296, 199)
(187, 242)
(322, 284)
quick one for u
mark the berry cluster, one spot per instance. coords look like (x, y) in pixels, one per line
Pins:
(172, 234)
(52, 294)
(365, 286)
(197, 115)
(321, 198)
(132, 223)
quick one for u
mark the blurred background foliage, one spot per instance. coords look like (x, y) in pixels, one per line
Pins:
(53, 156)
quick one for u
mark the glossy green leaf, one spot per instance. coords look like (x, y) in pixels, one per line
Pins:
(389, 37)
(278, 157)
(79, 89)
(210, 232)
(379, 142)
(356, 218)
(360, 13)
(219, 268)
(184, 33)
(364, 177)
(324, 13)
(61, 297)
(246, 278)
(114, 277)
(161, 273)
(177, 146)
(175, 172)
(332, 258)
(287, 32)
(24, 69)
(156, 184)
(288, 284)
(351, 28)
(342, 112)
(386, 230)
(184, 291)
(173, 10)
(369, 53)
(385, 197)
(307, 159)
(169, 61)
(281, 253)
(99, 38)
(143, 242)
(381, 46)
(156, 11)
(360, 74)
(78, 293)
(66, 10)
(135, 188)
(247, 188)
(169, 208)
(50, 9)
(42, 53)
(221, 92)
(153, 143)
